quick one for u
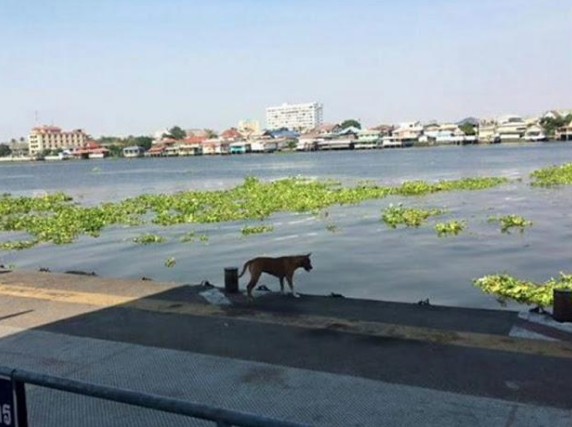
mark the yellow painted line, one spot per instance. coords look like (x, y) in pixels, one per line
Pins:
(245, 313)
(56, 295)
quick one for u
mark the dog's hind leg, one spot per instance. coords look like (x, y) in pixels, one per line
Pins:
(254, 276)
(281, 284)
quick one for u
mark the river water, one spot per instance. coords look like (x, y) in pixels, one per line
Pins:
(353, 252)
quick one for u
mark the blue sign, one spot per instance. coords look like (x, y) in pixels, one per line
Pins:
(7, 412)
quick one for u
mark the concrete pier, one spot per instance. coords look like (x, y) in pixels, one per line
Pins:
(321, 360)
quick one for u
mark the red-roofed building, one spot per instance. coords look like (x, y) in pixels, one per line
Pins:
(194, 139)
(216, 146)
(231, 135)
(191, 146)
(91, 150)
(156, 150)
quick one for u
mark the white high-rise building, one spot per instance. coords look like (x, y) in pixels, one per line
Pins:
(299, 117)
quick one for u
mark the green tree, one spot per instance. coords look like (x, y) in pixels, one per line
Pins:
(115, 150)
(468, 129)
(211, 133)
(550, 124)
(5, 150)
(350, 123)
(143, 141)
(108, 140)
(176, 133)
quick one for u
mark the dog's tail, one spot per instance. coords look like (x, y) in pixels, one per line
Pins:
(246, 264)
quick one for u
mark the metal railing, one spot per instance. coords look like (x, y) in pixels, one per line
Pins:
(222, 417)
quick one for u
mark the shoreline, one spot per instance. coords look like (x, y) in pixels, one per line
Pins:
(9, 159)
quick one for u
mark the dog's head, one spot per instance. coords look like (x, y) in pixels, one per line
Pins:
(306, 263)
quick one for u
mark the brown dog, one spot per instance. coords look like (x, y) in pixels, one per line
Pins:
(282, 267)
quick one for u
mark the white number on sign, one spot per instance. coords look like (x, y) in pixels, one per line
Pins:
(6, 415)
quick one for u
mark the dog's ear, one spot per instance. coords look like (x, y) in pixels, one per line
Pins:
(310, 253)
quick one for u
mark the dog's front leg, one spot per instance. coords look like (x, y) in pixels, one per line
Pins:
(281, 285)
(291, 284)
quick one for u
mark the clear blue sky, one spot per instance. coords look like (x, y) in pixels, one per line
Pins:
(136, 66)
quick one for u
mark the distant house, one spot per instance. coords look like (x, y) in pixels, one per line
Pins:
(511, 128)
(368, 138)
(157, 150)
(215, 146)
(231, 135)
(308, 141)
(239, 147)
(446, 133)
(407, 133)
(133, 151)
(260, 145)
(534, 133)
(90, 150)
(487, 131)
(564, 133)
(191, 146)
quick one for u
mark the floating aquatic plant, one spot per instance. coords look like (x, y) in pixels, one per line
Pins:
(506, 287)
(256, 229)
(397, 215)
(332, 228)
(147, 239)
(18, 245)
(57, 219)
(192, 236)
(552, 176)
(170, 262)
(508, 222)
(449, 228)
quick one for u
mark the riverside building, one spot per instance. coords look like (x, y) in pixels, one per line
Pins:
(300, 117)
(52, 138)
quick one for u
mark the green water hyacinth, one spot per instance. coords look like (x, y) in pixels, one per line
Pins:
(191, 237)
(449, 228)
(256, 229)
(332, 228)
(58, 219)
(420, 188)
(148, 239)
(170, 262)
(511, 221)
(18, 245)
(394, 216)
(505, 287)
(552, 176)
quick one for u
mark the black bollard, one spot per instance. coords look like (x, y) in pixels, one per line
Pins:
(231, 280)
(562, 305)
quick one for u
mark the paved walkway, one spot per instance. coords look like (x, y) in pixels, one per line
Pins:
(317, 360)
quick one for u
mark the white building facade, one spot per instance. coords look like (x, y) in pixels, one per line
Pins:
(300, 117)
(51, 138)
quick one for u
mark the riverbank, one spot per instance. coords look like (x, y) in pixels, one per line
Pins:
(286, 150)
(394, 362)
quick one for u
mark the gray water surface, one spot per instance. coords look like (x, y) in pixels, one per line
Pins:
(361, 257)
